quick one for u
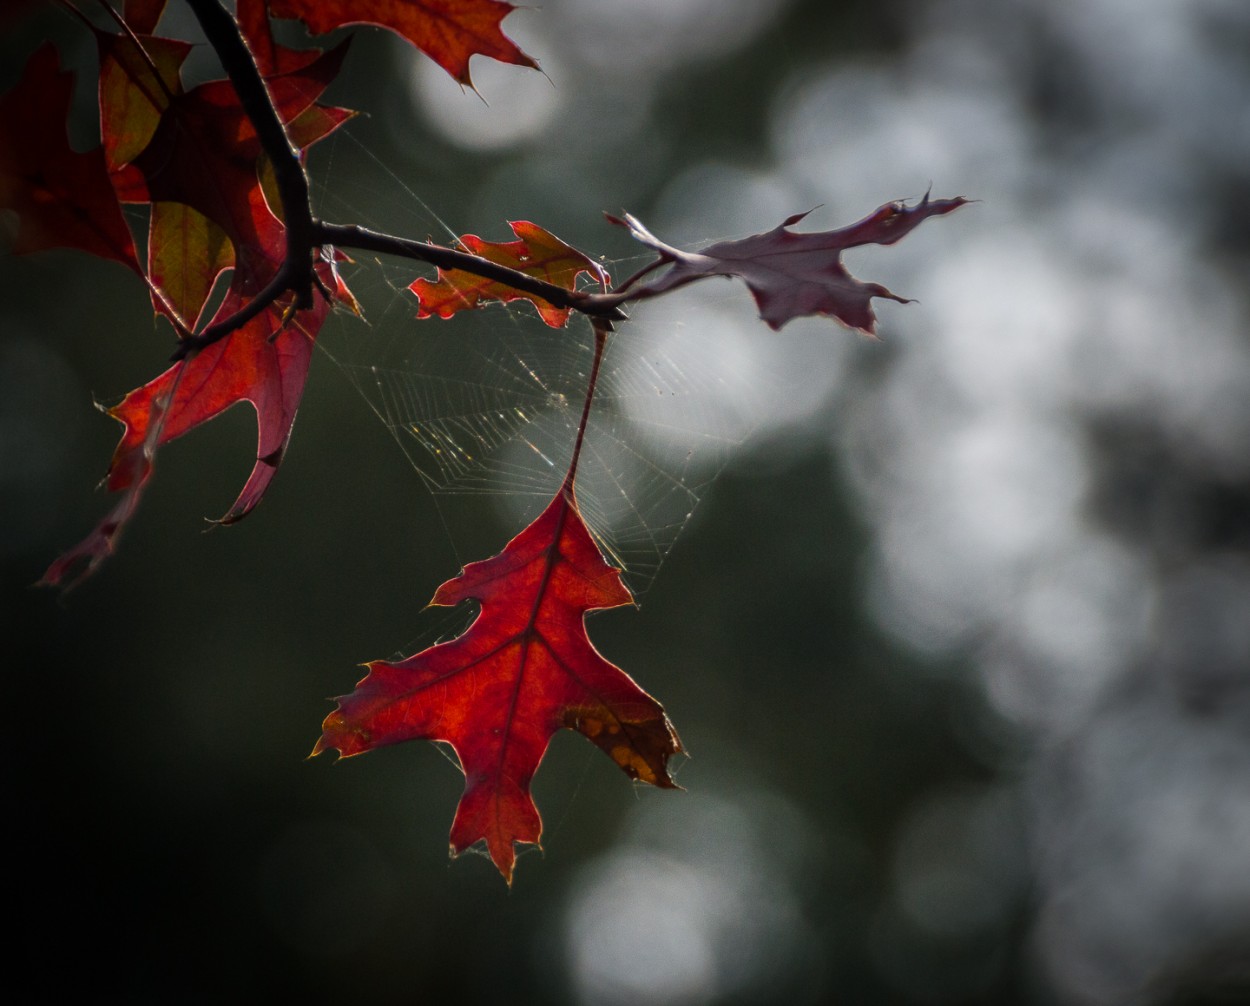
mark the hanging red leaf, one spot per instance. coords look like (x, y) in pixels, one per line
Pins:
(448, 31)
(265, 363)
(523, 670)
(538, 253)
(63, 198)
(793, 275)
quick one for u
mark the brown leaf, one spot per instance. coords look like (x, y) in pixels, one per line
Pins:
(793, 275)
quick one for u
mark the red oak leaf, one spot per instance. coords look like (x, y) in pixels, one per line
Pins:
(448, 31)
(523, 670)
(265, 362)
(793, 275)
(63, 198)
(538, 253)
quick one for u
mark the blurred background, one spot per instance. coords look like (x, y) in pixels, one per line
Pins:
(959, 639)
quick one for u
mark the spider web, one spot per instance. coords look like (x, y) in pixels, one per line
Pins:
(487, 403)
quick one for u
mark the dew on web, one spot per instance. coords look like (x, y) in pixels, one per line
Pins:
(488, 402)
(495, 411)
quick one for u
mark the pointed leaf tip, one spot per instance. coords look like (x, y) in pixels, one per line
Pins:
(450, 32)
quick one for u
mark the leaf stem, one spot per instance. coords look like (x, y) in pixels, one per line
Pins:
(646, 270)
(601, 340)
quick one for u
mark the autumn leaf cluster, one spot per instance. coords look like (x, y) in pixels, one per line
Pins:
(217, 173)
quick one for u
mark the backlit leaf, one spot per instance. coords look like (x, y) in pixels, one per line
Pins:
(792, 275)
(524, 669)
(537, 253)
(448, 31)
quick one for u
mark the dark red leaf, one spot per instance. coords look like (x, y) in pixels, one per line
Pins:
(63, 198)
(81, 561)
(265, 363)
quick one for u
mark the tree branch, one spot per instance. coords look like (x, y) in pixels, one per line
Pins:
(596, 305)
(282, 282)
(305, 234)
(227, 41)
(296, 272)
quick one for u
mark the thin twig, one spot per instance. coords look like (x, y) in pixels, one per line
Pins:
(644, 271)
(275, 288)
